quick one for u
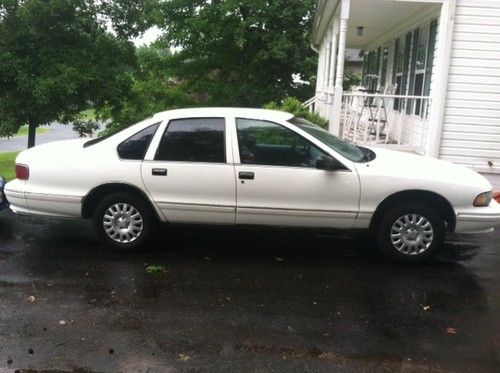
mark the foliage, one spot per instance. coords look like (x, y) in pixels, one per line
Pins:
(294, 106)
(154, 89)
(85, 127)
(57, 58)
(7, 165)
(240, 53)
(350, 79)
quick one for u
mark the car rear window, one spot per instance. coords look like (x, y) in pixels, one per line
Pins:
(135, 147)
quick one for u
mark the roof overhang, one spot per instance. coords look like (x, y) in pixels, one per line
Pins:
(377, 17)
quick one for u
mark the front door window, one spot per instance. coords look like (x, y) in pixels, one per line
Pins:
(267, 143)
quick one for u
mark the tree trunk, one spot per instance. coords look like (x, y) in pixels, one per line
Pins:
(31, 134)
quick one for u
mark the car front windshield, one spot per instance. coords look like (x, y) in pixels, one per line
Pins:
(349, 151)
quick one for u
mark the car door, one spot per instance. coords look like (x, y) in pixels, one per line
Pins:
(188, 175)
(278, 184)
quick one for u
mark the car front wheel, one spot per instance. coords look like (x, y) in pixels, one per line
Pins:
(411, 233)
(123, 221)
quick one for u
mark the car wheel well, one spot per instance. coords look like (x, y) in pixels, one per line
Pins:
(441, 204)
(92, 199)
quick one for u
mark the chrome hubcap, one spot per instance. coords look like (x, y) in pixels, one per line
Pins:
(122, 222)
(412, 234)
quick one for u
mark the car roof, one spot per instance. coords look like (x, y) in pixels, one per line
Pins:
(225, 112)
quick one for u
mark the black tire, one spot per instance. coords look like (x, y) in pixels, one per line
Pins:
(142, 234)
(408, 251)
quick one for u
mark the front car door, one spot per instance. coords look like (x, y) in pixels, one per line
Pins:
(188, 174)
(278, 184)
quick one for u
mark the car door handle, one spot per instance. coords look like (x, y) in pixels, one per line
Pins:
(159, 172)
(246, 175)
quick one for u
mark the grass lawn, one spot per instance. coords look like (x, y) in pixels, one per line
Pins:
(23, 131)
(88, 114)
(7, 161)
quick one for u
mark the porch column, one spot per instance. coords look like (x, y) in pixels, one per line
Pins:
(440, 85)
(333, 62)
(320, 70)
(334, 126)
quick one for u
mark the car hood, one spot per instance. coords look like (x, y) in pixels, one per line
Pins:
(415, 167)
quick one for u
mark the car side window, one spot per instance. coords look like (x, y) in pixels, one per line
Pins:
(135, 147)
(193, 140)
(267, 143)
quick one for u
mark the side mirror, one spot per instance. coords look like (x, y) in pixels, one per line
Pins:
(327, 163)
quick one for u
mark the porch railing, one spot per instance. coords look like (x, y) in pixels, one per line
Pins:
(384, 118)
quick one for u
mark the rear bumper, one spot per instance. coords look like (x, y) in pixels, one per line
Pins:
(478, 219)
(29, 203)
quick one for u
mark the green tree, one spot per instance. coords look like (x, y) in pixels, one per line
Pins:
(57, 58)
(154, 89)
(242, 53)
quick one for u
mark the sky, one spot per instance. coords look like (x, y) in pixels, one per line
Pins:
(148, 37)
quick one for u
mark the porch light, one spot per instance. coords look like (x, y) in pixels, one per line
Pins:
(360, 30)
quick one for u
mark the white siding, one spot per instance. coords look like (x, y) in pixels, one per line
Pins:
(471, 128)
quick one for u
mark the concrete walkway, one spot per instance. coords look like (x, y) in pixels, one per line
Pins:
(57, 131)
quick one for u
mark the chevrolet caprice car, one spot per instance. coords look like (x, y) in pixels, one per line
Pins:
(250, 167)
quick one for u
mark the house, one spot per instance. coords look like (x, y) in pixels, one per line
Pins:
(431, 76)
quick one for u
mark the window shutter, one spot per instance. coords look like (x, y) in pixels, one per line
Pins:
(430, 57)
(365, 65)
(395, 61)
(414, 47)
(379, 57)
(406, 65)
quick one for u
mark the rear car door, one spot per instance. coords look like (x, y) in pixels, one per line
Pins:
(188, 174)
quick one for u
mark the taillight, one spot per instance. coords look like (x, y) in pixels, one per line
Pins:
(496, 196)
(22, 172)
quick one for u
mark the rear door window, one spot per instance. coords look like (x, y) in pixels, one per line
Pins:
(193, 140)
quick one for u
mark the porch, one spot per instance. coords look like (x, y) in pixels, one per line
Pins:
(399, 102)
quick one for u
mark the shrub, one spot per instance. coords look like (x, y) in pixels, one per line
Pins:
(294, 106)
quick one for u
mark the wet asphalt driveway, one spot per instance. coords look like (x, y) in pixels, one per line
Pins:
(242, 300)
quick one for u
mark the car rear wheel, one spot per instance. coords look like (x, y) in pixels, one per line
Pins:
(123, 221)
(411, 233)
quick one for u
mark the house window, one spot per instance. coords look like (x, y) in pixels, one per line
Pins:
(411, 68)
(401, 68)
(418, 68)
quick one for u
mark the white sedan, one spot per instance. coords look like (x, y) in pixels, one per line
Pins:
(250, 167)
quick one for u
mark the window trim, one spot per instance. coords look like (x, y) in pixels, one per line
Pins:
(157, 142)
(270, 165)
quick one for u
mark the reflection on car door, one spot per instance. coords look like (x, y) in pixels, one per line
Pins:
(189, 178)
(279, 185)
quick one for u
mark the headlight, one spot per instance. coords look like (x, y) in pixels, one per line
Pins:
(483, 199)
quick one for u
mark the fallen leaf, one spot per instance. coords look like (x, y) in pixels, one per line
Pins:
(184, 358)
(451, 330)
(156, 270)
(279, 259)
(315, 303)
(62, 322)
(31, 299)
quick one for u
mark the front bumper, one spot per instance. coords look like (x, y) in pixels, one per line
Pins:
(478, 219)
